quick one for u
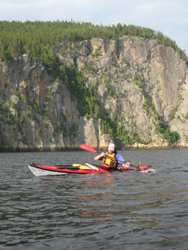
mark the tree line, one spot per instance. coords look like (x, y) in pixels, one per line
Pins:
(35, 38)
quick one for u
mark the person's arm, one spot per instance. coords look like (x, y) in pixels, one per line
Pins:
(99, 157)
(121, 161)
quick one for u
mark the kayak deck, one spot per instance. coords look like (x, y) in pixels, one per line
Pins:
(42, 170)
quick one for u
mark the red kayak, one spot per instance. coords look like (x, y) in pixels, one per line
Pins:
(41, 170)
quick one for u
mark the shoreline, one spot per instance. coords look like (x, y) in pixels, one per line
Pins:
(66, 149)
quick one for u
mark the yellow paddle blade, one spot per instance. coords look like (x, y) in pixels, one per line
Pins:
(85, 167)
(81, 166)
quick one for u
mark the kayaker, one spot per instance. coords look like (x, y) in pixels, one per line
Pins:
(112, 158)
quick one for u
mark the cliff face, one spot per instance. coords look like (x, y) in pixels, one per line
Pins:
(136, 79)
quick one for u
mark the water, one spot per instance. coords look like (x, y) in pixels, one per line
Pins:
(129, 210)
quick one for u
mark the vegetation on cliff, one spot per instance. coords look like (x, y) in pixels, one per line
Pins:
(36, 38)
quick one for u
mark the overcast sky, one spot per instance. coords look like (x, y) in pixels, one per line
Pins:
(167, 16)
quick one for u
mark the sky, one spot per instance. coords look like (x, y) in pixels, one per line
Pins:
(167, 16)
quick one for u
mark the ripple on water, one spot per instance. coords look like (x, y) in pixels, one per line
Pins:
(116, 210)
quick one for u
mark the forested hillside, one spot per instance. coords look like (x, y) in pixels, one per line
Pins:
(61, 80)
(36, 38)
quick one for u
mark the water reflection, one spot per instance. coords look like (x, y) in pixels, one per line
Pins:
(90, 203)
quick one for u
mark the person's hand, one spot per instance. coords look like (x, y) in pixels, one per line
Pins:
(102, 154)
(126, 165)
(99, 156)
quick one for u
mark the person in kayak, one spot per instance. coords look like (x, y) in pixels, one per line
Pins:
(113, 158)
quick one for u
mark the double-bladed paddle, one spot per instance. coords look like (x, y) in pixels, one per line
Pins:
(88, 148)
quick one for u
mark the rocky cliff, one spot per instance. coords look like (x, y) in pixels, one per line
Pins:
(141, 86)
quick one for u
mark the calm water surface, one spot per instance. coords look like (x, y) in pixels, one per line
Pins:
(128, 210)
